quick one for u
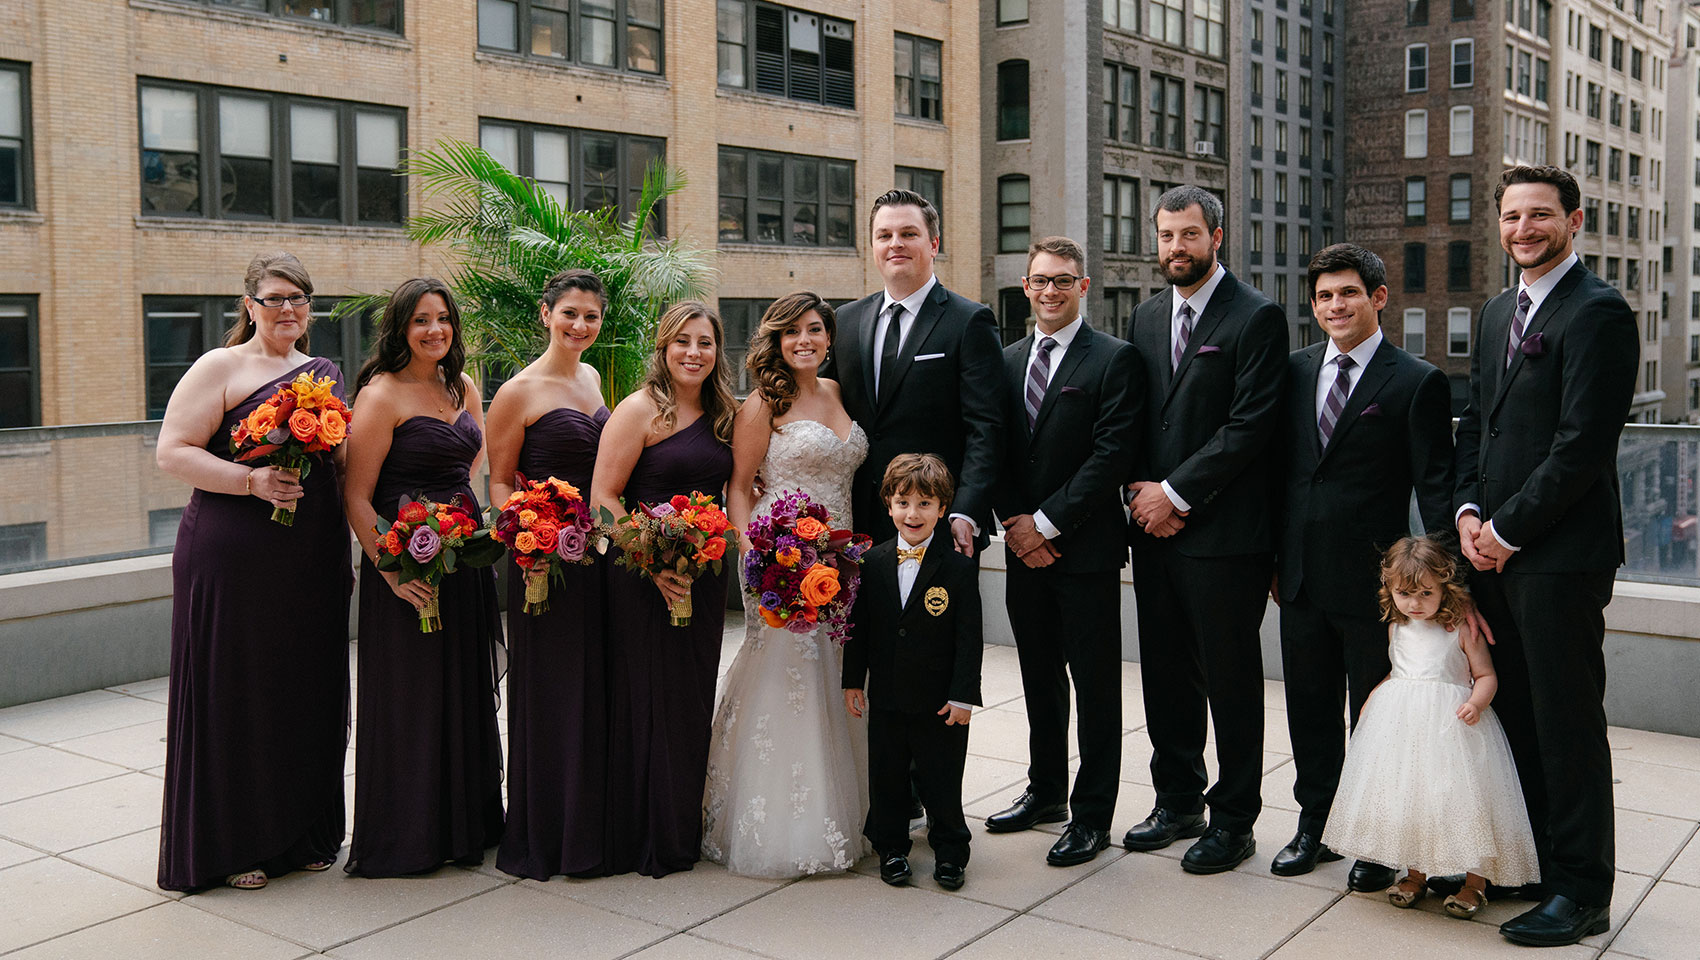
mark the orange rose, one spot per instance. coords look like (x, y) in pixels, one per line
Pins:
(819, 585)
(714, 549)
(392, 544)
(527, 517)
(304, 425)
(809, 528)
(412, 512)
(564, 488)
(546, 532)
(333, 429)
(525, 542)
(262, 420)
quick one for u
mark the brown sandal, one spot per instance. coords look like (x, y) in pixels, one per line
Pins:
(1406, 892)
(1464, 903)
(247, 880)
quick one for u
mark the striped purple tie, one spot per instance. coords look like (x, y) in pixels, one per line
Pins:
(1519, 323)
(1336, 401)
(1038, 378)
(1186, 316)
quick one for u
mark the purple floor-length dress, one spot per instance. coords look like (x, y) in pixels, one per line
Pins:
(557, 684)
(427, 759)
(257, 725)
(661, 677)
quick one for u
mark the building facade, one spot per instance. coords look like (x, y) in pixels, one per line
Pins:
(1680, 307)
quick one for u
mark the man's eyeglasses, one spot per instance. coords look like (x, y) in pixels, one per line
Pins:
(299, 300)
(1061, 281)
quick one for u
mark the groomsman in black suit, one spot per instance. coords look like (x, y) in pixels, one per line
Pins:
(1538, 516)
(1072, 399)
(918, 367)
(1365, 424)
(1215, 354)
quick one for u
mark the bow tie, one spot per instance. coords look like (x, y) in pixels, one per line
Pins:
(915, 553)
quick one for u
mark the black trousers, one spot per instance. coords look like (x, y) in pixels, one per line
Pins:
(900, 743)
(1199, 650)
(1069, 625)
(1549, 630)
(1324, 657)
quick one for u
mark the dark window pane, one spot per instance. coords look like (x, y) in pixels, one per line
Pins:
(14, 338)
(601, 171)
(380, 196)
(382, 14)
(15, 393)
(734, 173)
(11, 172)
(245, 187)
(309, 9)
(840, 231)
(314, 192)
(770, 176)
(770, 219)
(596, 32)
(549, 33)
(171, 182)
(840, 183)
(1012, 100)
(805, 179)
(732, 214)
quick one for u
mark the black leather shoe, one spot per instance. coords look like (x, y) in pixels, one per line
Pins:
(1367, 877)
(1452, 883)
(1024, 813)
(895, 869)
(1162, 828)
(1301, 856)
(1221, 850)
(1078, 845)
(949, 875)
(1558, 921)
(917, 812)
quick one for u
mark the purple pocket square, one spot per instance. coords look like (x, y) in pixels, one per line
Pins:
(1069, 391)
(1373, 410)
(1208, 349)
(1534, 345)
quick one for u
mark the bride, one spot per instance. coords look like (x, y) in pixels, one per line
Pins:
(787, 768)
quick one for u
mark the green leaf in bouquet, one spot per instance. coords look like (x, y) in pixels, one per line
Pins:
(448, 560)
(409, 573)
(480, 550)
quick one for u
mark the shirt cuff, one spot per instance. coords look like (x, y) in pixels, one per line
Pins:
(1474, 508)
(1043, 524)
(1501, 539)
(971, 524)
(1175, 498)
(961, 706)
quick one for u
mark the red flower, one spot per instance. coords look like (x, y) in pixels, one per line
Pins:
(412, 512)
(680, 501)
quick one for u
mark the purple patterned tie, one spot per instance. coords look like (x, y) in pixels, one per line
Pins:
(1183, 337)
(1336, 401)
(1519, 322)
(1038, 378)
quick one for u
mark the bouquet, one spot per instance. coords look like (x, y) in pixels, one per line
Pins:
(688, 535)
(543, 522)
(800, 570)
(302, 418)
(429, 540)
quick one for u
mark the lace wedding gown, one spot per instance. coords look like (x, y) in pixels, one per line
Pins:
(787, 783)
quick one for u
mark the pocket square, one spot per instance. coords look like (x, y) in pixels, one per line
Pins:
(928, 356)
(1373, 410)
(1069, 391)
(1208, 349)
(1534, 345)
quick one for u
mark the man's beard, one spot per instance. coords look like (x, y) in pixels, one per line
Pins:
(1548, 254)
(1198, 270)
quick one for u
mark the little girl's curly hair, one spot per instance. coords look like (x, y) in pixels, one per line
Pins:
(1413, 560)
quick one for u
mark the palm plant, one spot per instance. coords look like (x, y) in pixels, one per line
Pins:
(506, 236)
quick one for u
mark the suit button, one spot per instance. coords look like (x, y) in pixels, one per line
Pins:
(1032, 459)
(1484, 478)
(1493, 432)
(1316, 479)
(1165, 424)
(903, 631)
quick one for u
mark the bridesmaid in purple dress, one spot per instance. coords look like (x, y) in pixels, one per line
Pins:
(671, 436)
(427, 759)
(545, 422)
(258, 717)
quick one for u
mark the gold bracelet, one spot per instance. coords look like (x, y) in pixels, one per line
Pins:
(248, 484)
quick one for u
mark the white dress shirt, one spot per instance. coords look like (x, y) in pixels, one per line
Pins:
(911, 309)
(1199, 300)
(907, 571)
(1063, 338)
(1360, 355)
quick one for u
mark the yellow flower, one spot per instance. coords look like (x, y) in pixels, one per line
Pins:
(527, 517)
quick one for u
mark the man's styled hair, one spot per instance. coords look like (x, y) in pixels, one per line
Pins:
(1186, 195)
(1347, 256)
(899, 197)
(1058, 247)
(1569, 194)
(920, 474)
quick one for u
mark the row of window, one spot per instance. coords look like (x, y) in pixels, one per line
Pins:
(1618, 52)
(1457, 199)
(1282, 195)
(383, 15)
(1417, 12)
(1461, 74)
(1461, 136)
(1255, 32)
(1164, 109)
(1166, 22)
(1457, 266)
(1255, 80)
(1620, 220)
(1289, 237)
(1592, 151)
(1281, 143)
(1415, 331)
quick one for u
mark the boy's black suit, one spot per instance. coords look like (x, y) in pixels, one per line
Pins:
(911, 659)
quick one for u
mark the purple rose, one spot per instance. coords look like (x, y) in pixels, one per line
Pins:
(570, 544)
(799, 625)
(424, 544)
(1534, 345)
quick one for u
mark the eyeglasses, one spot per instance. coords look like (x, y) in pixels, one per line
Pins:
(299, 300)
(1061, 281)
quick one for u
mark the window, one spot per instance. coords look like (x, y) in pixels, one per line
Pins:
(1013, 311)
(1591, 160)
(22, 544)
(1015, 11)
(1012, 100)
(252, 155)
(1596, 40)
(1416, 334)
(1463, 63)
(1208, 19)
(1015, 216)
(1327, 150)
(382, 15)
(1616, 112)
(1416, 134)
(1635, 63)
(15, 180)
(920, 80)
(785, 52)
(20, 379)
(1458, 265)
(1416, 67)
(1632, 223)
(1119, 304)
(1543, 78)
(622, 34)
(786, 199)
(1121, 215)
(1463, 9)
(162, 526)
(1207, 111)
(1591, 215)
(1463, 138)
(1614, 164)
(1595, 94)
(1416, 201)
(1543, 19)
(740, 318)
(927, 183)
(1617, 54)
(1121, 103)
(1458, 332)
(1416, 267)
(1459, 207)
(1167, 113)
(1164, 21)
(581, 169)
(1416, 13)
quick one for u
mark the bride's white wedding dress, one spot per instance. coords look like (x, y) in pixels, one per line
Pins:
(787, 784)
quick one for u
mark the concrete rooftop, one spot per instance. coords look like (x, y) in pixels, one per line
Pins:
(79, 814)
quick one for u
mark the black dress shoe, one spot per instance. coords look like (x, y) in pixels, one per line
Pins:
(949, 875)
(1024, 813)
(895, 869)
(1452, 883)
(1558, 921)
(1301, 856)
(1078, 845)
(1162, 828)
(1367, 877)
(1221, 850)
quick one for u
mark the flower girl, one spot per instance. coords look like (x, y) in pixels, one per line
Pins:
(1429, 781)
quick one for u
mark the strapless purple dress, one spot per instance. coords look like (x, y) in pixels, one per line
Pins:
(257, 724)
(661, 677)
(427, 760)
(557, 684)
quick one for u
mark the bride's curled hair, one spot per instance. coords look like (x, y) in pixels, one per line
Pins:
(772, 375)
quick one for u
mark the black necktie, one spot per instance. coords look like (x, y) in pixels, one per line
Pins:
(889, 349)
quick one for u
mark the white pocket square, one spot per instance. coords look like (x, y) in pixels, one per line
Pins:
(928, 356)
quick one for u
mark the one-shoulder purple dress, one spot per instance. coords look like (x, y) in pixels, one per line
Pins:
(661, 677)
(427, 759)
(257, 726)
(557, 684)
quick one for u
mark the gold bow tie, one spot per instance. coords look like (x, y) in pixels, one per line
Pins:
(914, 553)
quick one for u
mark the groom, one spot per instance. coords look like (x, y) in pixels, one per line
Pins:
(918, 367)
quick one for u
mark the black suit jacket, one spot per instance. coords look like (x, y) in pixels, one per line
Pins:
(942, 399)
(1346, 503)
(1537, 444)
(1078, 456)
(1210, 424)
(908, 658)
